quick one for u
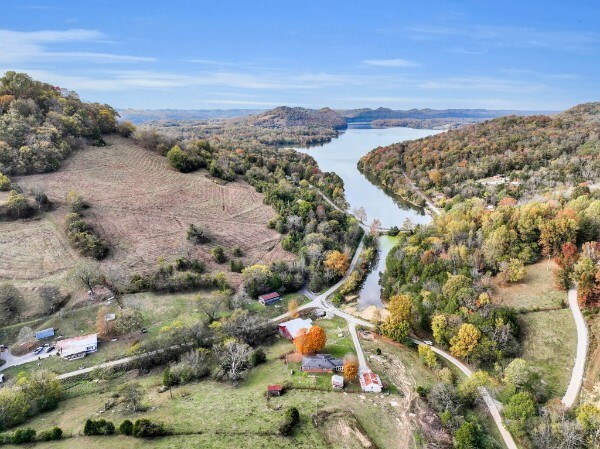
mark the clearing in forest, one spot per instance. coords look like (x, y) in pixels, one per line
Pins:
(143, 208)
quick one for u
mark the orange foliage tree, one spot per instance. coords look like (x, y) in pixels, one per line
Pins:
(293, 308)
(338, 262)
(310, 341)
(350, 367)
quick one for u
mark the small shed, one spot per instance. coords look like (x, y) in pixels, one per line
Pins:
(269, 298)
(274, 390)
(337, 382)
(44, 333)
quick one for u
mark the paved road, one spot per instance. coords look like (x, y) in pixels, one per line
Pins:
(13, 360)
(487, 398)
(574, 386)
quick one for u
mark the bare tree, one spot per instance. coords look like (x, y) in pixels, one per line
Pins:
(360, 213)
(375, 226)
(86, 275)
(51, 297)
(132, 394)
(233, 358)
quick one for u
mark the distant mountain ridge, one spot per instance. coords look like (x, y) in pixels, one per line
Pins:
(145, 115)
(366, 114)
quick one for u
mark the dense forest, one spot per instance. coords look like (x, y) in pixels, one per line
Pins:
(438, 281)
(278, 127)
(508, 156)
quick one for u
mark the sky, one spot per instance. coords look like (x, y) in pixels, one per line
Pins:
(184, 54)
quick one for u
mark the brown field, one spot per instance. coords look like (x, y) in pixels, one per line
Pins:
(143, 208)
(534, 291)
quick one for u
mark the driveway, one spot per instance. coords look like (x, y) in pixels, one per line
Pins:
(574, 386)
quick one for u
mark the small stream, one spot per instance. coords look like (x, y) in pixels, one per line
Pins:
(341, 156)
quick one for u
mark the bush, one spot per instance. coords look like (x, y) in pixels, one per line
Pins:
(126, 128)
(144, 428)
(218, 253)
(4, 183)
(257, 357)
(23, 436)
(99, 427)
(197, 235)
(126, 427)
(236, 266)
(53, 434)
(291, 420)
(237, 252)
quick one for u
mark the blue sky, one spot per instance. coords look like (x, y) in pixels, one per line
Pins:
(535, 55)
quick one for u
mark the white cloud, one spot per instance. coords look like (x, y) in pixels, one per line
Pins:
(38, 46)
(397, 62)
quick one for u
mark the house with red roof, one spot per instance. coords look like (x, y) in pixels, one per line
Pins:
(369, 381)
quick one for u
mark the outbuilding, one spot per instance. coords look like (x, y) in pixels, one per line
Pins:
(44, 333)
(337, 382)
(274, 390)
(269, 298)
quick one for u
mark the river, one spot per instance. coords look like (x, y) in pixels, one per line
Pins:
(341, 156)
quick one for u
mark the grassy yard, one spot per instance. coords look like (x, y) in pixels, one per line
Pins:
(548, 329)
(534, 292)
(218, 414)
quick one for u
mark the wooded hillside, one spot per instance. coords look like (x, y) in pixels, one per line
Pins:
(532, 154)
(41, 124)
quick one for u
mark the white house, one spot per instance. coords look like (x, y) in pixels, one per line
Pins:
(77, 347)
(337, 382)
(369, 381)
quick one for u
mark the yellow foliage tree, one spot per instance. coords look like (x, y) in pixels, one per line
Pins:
(463, 343)
(427, 356)
(338, 262)
(400, 307)
(293, 308)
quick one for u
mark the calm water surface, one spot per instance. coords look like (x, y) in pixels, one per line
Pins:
(340, 156)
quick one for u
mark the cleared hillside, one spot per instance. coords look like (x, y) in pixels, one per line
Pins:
(143, 207)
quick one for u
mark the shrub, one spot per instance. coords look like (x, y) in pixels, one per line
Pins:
(197, 235)
(99, 427)
(126, 427)
(4, 182)
(218, 253)
(236, 266)
(237, 252)
(257, 357)
(23, 436)
(126, 128)
(53, 434)
(291, 420)
(144, 428)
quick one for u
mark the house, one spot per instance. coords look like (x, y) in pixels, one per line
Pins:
(44, 333)
(274, 390)
(369, 381)
(290, 329)
(269, 298)
(321, 363)
(77, 347)
(337, 382)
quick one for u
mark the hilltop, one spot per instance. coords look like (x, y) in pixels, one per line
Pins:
(514, 155)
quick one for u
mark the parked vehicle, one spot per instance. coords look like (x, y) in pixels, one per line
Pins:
(428, 342)
(50, 349)
(38, 350)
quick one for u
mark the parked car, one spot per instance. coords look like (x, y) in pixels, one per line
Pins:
(50, 349)
(428, 342)
(144, 330)
(38, 350)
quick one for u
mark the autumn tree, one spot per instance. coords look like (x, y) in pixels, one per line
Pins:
(338, 262)
(104, 328)
(211, 306)
(427, 356)
(293, 308)
(512, 270)
(465, 341)
(556, 232)
(350, 367)
(566, 260)
(310, 341)
(397, 324)
(438, 327)
(132, 395)
(87, 275)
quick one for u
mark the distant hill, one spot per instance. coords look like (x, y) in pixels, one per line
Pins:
(276, 127)
(145, 115)
(367, 115)
(525, 154)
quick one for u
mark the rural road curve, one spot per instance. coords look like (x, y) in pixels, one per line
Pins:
(574, 386)
(487, 398)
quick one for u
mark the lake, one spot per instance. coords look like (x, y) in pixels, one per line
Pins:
(341, 156)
